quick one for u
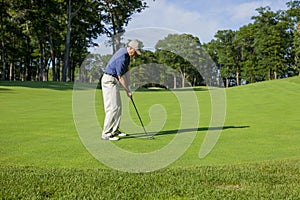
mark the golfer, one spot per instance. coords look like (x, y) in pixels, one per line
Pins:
(116, 72)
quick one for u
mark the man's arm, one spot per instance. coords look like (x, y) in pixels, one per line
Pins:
(125, 82)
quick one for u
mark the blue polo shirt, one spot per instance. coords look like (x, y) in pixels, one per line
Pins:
(118, 64)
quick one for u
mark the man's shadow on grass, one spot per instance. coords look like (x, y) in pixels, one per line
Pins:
(179, 131)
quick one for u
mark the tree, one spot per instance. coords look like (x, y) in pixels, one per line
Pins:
(297, 48)
(92, 68)
(182, 53)
(4, 20)
(66, 63)
(57, 31)
(36, 22)
(228, 55)
(86, 26)
(147, 71)
(270, 43)
(116, 15)
(294, 22)
(245, 42)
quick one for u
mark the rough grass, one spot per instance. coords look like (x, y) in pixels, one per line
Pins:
(269, 180)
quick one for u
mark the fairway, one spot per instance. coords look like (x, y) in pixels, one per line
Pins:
(261, 126)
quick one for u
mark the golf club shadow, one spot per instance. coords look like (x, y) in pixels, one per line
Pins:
(179, 131)
(139, 135)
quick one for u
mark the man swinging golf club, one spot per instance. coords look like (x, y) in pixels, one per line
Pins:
(116, 72)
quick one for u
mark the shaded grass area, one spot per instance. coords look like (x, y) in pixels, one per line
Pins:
(38, 84)
(269, 180)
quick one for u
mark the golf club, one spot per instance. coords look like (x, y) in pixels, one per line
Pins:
(149, 136)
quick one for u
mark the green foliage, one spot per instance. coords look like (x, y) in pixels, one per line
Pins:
(227, 54)
(245, 43)
(116, 16)
(262, 50)
(270, 43)
(184, 53)
(297, 50)
(36, 31)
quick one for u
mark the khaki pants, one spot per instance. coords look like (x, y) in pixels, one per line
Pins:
(112, 104)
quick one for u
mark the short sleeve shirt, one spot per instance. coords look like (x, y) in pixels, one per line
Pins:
(118, 64)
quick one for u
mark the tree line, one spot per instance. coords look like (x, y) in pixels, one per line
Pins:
(178, 60)
(267, 49)
(50, 38)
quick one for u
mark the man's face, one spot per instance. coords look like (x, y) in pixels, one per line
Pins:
(131, 51)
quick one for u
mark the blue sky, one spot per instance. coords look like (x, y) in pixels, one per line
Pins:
(202, 18)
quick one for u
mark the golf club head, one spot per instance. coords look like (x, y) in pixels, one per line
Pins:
(150, 138)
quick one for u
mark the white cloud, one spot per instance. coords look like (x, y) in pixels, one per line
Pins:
(167, 15)
(276, 4)
(243, 12)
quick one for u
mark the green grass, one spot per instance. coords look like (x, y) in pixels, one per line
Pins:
(271, 180)
(256, 156)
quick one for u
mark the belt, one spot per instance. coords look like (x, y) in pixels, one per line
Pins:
(110, 75)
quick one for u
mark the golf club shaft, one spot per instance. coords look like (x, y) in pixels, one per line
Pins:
(138, 115)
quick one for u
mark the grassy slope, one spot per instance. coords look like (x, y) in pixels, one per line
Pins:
(269, 111)
(262, 124)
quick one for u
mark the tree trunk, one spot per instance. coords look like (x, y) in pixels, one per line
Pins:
(3, 46)
(66, 63)
(41, 62)
(22, 70)
(11, 72)
(45, 74)
(70, 68)
(183, 79)
(275, 75)
(175, 81)
(237, 78)
(54, 75)
(45, 66)
(27, 60)
(58, 70)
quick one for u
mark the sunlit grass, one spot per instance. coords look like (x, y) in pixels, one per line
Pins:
(260, 139)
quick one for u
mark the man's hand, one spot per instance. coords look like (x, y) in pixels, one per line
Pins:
(129, 94)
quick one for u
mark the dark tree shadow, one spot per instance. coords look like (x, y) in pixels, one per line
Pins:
(39, 84)
(5, 90)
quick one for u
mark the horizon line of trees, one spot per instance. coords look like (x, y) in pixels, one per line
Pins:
(177, 61)
(42, 38)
